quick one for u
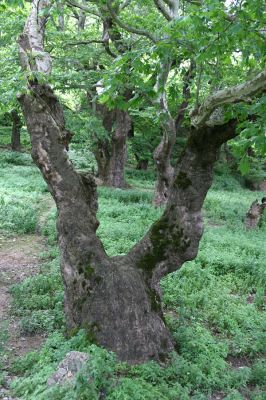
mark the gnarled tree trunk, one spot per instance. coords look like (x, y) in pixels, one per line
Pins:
(16, 128)
(118, 299)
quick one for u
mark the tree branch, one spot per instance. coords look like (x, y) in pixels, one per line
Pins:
(84, 42)
(127, 27)
(82, 7)
(31, 41)
(234, 94)
(189, 75)
(175, 237)
(163, 10)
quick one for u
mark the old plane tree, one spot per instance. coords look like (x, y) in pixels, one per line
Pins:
(118, 298)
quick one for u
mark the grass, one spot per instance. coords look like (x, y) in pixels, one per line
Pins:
(214, 305)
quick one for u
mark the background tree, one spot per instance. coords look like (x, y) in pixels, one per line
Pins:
(11, 78)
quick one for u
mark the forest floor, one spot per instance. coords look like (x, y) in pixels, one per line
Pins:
(19, 259)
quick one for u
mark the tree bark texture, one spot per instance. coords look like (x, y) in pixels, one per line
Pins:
(16, 128)
(110, 297)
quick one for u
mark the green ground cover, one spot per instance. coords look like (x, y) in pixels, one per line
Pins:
(214, 305)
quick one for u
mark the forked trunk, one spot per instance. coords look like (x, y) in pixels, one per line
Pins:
(117, 300)
(112, 298)
(16, 128)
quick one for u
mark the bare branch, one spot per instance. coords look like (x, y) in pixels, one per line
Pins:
(82, 7)
(163, 10)
(84, 42)
(234, 94)
(127, 27)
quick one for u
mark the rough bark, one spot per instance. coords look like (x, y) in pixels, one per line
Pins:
(174, 238)
(118, 299)
(16, 128)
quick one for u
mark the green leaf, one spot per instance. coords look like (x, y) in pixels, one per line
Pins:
(244, 165)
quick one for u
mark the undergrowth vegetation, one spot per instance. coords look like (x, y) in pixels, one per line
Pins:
(214, 305)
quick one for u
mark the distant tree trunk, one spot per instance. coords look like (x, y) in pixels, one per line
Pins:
(81, 21)
(170, 127)
(16, 128)
(230, 159)
(142, 165)
(111, 153)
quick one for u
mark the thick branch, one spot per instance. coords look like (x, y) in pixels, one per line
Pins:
(175, 237)
(31, 41)
(230, 95)
(163, 10)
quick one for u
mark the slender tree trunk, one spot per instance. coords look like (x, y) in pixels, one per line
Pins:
(170, 127)
(117, 162)
(82, 20)
(16, 128)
